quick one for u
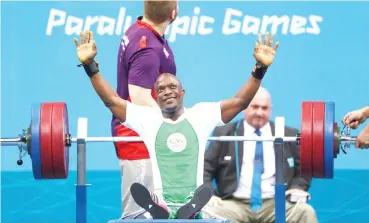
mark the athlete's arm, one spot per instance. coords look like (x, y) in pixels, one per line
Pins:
(230, 108)
(264, 53)
(86, 52)
(137, 118)
(108, 95)
(143, 72)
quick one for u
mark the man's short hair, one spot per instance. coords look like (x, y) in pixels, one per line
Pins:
(159, 11)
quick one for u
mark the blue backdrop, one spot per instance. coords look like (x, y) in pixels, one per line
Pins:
(323, 55)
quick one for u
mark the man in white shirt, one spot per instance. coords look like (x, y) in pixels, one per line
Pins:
(244, 172)
(175, 137)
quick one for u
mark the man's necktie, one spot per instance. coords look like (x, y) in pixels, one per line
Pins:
(256, 200)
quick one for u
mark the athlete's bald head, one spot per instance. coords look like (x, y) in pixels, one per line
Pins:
(167, 76)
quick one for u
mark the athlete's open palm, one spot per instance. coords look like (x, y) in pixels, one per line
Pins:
(264, 51)
(86, 49)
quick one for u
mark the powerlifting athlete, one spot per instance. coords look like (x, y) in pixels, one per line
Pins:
(175, 136)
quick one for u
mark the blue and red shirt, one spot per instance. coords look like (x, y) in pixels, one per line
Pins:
(143, 55)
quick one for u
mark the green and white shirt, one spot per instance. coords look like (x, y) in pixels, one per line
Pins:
(176, 148)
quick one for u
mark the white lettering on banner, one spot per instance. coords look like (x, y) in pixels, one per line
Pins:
(235, 22)
(74, 25)
(53, 21)
(90, 21)
(185, 25)
(314, 29)
(275, 22)
(250, 25)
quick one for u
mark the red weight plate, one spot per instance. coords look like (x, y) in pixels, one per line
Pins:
(318, 139)
(59, 131)
(306, 138)
(335, 140)
(45, 141)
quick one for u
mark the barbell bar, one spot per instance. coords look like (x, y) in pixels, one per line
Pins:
(16, 140)
(47, 140)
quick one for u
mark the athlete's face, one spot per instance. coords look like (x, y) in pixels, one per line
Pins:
(169, 93)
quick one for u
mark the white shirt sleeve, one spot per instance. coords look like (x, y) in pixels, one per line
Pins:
(209, 114)
(139, 118)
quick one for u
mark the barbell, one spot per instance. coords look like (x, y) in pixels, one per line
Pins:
(47, 140)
